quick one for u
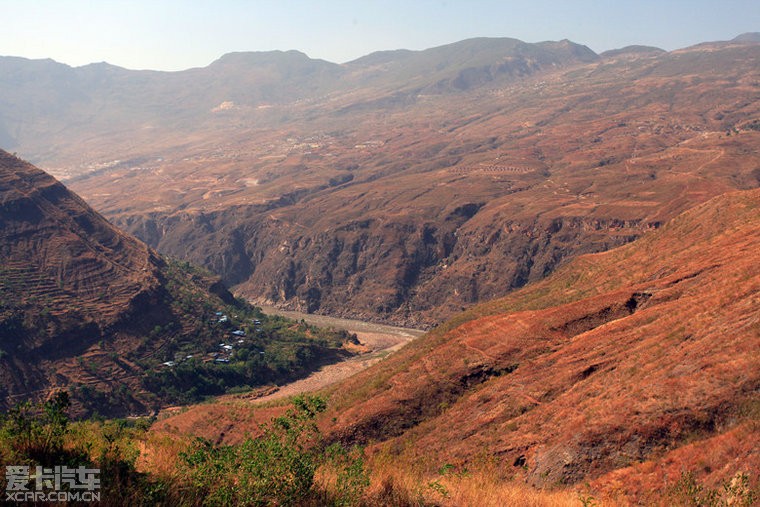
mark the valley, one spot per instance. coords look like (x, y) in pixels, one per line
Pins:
(485, 273)
(621, 369)
(367, 195)
(376, 341)
(87, 309)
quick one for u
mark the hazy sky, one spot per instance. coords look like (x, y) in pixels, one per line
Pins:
(178, 34)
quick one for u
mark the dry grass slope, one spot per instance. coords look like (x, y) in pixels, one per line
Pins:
(618, 358)
(606, 382)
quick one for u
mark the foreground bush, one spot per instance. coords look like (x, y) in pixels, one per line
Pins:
(276, 468)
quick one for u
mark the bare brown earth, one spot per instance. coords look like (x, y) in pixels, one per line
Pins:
(623, 369)
(393, 192)
(411, 213)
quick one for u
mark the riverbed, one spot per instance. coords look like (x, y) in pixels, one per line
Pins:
(376, 342)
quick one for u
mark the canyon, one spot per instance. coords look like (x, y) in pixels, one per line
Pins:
(402, 187)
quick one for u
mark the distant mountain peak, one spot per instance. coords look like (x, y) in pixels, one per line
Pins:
(633, 50)
(747, 37)
(262, 57)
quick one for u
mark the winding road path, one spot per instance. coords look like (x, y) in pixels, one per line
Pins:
(378, 341)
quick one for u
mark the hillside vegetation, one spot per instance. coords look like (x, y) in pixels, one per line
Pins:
(87, 308)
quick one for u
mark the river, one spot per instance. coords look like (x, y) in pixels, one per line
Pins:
(377, 341)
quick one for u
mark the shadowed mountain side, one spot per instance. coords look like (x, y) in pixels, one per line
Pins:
(87, 308)
(54, 247)
(616, 358)
(69, 278)
(464, 65)
(749, 37)
(633, 51)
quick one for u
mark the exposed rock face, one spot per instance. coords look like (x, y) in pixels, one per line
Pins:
(441, 205)
(413, 272)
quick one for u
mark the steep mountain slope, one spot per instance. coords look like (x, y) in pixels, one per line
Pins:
(68, 277)
(52, 234)
(386, 185)
(645, 352)
(416, 210)
(86, 307)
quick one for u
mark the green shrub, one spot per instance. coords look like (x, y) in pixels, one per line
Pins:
(40, 434)
(352, 478)
(276, 468)
(35, 432)
(733, 492)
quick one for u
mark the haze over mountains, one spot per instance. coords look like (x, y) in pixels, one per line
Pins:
(403, 186)
(42, 98)
(596, 216)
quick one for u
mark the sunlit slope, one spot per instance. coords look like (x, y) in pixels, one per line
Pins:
(614, 359)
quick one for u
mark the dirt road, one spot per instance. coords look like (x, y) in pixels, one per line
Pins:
(377, 341)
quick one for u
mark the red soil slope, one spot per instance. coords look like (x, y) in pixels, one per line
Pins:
(618, 358)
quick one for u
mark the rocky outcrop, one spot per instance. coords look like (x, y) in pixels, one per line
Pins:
(412, 271)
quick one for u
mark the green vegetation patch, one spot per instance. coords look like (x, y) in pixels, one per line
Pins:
(211, 347)
(276, 468)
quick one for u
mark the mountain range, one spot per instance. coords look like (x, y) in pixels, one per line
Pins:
(581, 232)
(403, 186)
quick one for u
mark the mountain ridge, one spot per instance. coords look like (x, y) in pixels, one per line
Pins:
(750, 37)
(413, 194)
(89, 309)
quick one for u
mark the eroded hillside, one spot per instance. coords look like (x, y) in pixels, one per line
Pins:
(391, 194)
(87, 308)
(636, 358)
